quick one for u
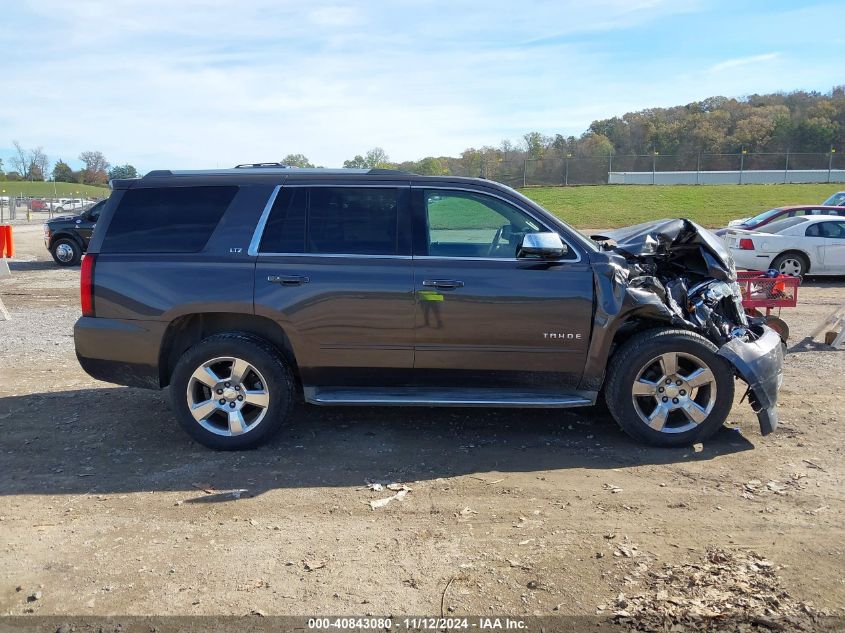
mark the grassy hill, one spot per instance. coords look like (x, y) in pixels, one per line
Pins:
(45, 189)
(610, 206)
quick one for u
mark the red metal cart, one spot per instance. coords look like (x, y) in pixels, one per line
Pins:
(762, 291)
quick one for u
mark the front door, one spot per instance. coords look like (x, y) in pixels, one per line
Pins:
(334, 271)
(834, 246)
(482, 314)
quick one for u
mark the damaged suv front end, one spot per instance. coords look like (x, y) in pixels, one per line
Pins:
(678, 273)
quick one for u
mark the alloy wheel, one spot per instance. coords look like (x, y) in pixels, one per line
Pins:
(674, 392)
(228, 396)
(791, 266)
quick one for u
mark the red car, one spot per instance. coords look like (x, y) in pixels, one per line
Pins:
(37, 205)
(780, 213)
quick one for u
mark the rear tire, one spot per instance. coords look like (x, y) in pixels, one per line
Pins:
(792, 264)
(66, 252)
(669, 388)
(231, 391)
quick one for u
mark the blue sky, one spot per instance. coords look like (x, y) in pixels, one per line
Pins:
(204, 83)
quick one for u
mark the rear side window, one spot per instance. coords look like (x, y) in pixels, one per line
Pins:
(333, 220)
(166, 220)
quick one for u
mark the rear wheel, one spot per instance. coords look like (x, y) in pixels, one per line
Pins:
(66, 252)
(792, 264)
(669, 388)
(231, 391)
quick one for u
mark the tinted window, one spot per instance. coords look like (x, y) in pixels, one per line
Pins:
(285, 230)
(780, 225)
(832, 230)
(94, 212)
(339, 221)
(355, 220)
(464, 224)
(166, 220)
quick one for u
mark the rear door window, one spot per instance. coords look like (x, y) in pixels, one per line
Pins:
(167, 219)
(333, 220)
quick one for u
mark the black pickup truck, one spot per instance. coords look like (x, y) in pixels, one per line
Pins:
(67, 236)
(244, 288)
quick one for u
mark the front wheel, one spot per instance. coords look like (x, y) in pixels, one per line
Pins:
(231, 391)
(669, 388)
(66, 252)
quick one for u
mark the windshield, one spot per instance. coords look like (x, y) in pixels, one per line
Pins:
(836, 200)
(780, 225)
(762, 217)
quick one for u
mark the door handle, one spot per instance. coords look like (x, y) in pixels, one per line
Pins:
(443, 284)
(288, 280)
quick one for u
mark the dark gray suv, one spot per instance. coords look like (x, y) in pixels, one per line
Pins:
(241, 289)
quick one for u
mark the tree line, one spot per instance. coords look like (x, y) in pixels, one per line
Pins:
(796, 122)
(34, 165)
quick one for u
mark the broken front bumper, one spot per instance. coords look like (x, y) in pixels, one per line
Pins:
(760, 364)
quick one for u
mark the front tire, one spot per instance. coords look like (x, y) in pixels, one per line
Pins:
(66, 252)
(231, 391)
(669, 388)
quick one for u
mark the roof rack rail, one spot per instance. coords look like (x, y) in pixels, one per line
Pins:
(250, 165)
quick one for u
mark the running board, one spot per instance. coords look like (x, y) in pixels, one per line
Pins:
(443, 397)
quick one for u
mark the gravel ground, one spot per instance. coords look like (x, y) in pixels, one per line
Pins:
(107, 508)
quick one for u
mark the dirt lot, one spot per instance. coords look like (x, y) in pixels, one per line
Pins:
(107, 508)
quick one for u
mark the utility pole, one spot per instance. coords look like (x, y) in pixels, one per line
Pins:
(654, 167)
(741, 163)
(786, 167)
(566, 169)
(830, 162)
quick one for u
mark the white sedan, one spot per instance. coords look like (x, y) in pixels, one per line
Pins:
(813, 244)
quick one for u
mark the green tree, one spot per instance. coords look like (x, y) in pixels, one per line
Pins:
(374, 158)
(377, 157)
(429, 166)
(96, 168)
(297, 160)
(62, 172)
(536, 144)
(355, 163)
(123, 171)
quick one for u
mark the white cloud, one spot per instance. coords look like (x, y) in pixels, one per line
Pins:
(743, 61)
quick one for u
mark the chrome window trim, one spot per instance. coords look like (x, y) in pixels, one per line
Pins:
(255, 242)
(252, 251)
(508, 202)
(346, 255)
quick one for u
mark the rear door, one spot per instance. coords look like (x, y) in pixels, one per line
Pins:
(484, 316)
(334, 270)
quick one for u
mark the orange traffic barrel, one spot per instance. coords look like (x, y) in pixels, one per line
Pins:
(7, 243)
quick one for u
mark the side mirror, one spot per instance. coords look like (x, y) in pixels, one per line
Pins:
(543, 246)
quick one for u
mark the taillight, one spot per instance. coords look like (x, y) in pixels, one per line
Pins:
(746, 244)
(86, 285)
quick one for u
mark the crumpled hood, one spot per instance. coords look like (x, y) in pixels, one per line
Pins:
(679, 242)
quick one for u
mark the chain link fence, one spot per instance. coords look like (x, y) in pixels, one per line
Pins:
(19, 207)
(740, 168)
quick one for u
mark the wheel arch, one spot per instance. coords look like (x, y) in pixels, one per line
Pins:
(607, 339)
(795, 251)
(67, 235)
(187, 330)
